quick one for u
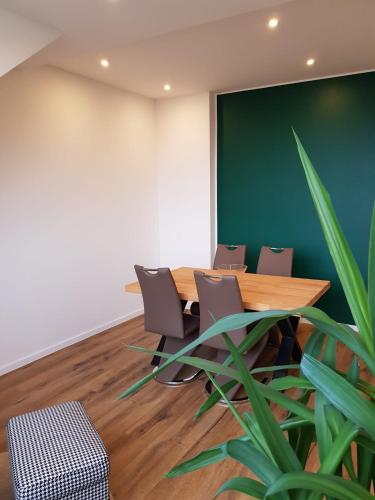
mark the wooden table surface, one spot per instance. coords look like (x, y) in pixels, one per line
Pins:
(259, 292)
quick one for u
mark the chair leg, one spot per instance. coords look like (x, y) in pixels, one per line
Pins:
(156, 359)
(249, 358)
(177, 373)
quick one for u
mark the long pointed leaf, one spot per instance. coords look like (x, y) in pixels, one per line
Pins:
(346, 266)
(364, 460)
(323, 433)
(233, 322)
(205, 458)
(245, 485)
(341, 333)
(336, 421)
(324, 484)
(216, 396)
(280, 448)
(339, 447)
(340, 393)
(253, 459)
(371, 273)
(305, 439)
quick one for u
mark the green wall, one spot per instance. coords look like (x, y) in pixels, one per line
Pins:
(262, 194)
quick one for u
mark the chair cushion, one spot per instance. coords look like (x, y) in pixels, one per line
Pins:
(55, 452)
(191, 324)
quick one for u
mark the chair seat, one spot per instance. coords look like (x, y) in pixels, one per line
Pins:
(191, 324)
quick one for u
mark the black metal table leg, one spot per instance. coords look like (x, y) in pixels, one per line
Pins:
(289, 346)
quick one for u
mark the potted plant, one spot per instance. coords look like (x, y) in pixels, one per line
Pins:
(333, 409)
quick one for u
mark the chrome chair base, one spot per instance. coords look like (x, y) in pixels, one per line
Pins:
(222, 402)
(187, 379)
(179, 374)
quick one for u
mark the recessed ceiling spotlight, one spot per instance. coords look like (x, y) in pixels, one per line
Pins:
(167, 87)
(104, 63)
(273, 22)
(310, 61)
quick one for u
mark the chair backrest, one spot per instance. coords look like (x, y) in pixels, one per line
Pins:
(275, 261)
(229, 254)
(162, 305)
(219, 296)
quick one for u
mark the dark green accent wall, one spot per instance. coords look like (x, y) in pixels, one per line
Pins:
(263, 198)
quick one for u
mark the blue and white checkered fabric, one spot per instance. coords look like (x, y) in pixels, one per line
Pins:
(57, 453)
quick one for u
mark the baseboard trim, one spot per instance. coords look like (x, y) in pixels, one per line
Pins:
(307, 322)
(18, 363)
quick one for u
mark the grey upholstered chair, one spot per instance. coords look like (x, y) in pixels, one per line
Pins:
(279, 262)
(229, 254)
(220, 296)
(225, 255)
(163, 314)
(275, 261)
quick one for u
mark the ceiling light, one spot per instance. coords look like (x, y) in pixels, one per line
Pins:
(310, 62)
(273, 22)
(167, 87)
(104, 63)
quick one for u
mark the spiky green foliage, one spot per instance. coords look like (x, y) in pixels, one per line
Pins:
(341, 420)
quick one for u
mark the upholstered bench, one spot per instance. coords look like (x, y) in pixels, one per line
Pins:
(56, 453)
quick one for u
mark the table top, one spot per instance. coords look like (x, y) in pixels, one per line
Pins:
(259, 292)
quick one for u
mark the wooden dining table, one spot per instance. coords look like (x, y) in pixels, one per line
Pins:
(260, 292)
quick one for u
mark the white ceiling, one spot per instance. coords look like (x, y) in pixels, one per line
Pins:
(199, 45)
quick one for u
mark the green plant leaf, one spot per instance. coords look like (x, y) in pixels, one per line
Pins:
(203, 459)
(314, 343)
(232, 322)
(353, 373)
(281, 451)
(216, 396)
(236, 321)
(290, 382)
(336, 421)
(366, 443)
(235, 413)
(325, 484)
(371, 273)
(342, 333)
(203, 364)
(294, 422)
(365, 460)
(323, 432)
(285, 402)
(248, 455)
(346, 398)
(245, 485)
(329, 354)
(346, 266)
(255, 335)
(339, 447)
(305, 439)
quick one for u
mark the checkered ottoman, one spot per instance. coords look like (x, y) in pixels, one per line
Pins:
(56, 453)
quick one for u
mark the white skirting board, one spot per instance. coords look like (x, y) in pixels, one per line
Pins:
(67, 342)
(77, 338)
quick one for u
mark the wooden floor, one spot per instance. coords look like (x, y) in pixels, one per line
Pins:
(146, 434)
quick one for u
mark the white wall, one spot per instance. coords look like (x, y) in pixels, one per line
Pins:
(78, 207)
(184, 176)
(20, 38)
